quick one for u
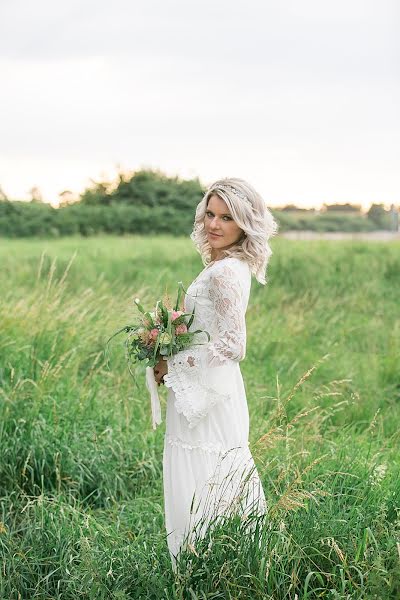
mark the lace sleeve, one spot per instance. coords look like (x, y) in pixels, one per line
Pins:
(200, 375)
(225, 293)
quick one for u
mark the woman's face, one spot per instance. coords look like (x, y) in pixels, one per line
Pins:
(218, 220)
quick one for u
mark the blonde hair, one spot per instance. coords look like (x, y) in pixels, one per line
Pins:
(251, 214)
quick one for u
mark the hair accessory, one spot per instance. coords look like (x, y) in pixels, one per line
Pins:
(226, 186)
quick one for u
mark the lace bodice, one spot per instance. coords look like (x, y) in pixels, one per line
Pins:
(220, 296)
(198, 375)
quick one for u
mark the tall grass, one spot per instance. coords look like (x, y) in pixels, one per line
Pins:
(81, 504)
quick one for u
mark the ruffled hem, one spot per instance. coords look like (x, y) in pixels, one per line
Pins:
(210, 447)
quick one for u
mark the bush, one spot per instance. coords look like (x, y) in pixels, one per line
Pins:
(151, 203)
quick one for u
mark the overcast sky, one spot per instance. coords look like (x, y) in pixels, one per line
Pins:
(301, 97)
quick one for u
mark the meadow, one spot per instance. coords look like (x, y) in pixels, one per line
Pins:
(81, 496)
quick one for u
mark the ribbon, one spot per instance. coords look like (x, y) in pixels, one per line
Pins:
(152, 386)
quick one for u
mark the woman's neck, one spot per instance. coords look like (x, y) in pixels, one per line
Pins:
(215, 257)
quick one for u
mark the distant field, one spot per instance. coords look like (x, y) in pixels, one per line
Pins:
(81, 468)
(370, 236)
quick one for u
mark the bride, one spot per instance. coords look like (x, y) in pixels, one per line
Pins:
(208, 469)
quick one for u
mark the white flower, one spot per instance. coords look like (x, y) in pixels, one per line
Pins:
(378, 474)
(165, 338)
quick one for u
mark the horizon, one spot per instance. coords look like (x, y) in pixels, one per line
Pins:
(293, 206)
(317, 207)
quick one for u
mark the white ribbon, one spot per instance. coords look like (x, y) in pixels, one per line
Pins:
(152, 386)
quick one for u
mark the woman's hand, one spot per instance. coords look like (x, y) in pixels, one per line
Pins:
(160, 369)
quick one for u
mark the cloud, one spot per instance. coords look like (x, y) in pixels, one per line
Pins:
(301, 96)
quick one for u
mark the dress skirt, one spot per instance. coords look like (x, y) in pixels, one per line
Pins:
(208, 470)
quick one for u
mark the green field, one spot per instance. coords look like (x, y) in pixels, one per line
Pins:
(81, 468)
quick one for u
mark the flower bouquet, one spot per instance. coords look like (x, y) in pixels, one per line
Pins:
(158, 333)
(161, 332)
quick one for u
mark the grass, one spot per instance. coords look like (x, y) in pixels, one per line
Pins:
(81, 498)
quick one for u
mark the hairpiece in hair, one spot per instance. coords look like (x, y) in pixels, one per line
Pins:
(226, 186)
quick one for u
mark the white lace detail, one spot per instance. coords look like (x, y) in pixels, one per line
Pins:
(197, 375)
(225, 293)
(210, 447)
(192, 398)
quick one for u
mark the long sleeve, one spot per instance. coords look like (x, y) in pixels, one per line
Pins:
(200, 376)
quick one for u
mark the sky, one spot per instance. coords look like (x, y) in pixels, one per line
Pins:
(300, 98)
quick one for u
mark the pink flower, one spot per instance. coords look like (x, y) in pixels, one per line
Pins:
(181, 328)
(176, 314)
(153, 334)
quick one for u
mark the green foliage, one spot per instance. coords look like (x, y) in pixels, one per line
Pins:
(325, 221)
(379, 216)
(294, 208)
(146, 188)
(22, 219)
(342, 207)
(149, 203)
(26, 219)
(81, 493)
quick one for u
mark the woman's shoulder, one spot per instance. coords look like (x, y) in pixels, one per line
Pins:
(230, 268)
(231, 274)
(231, 262)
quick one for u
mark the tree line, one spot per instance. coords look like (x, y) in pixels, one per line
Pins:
(148, 202)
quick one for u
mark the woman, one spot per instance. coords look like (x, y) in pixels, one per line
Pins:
(208, 469)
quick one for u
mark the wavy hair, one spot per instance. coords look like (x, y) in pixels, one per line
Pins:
(250, 213)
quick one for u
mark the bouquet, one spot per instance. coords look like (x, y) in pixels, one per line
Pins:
(164, 331)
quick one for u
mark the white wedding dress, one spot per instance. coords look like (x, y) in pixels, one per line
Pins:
(208, 469)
